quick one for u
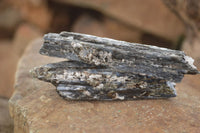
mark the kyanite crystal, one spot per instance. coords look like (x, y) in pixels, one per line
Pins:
(106, 69)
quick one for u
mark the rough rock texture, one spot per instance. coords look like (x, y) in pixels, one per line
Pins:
(114, 70)
(36, 107)
(137, 13)
(6, 123)
(120, 55)
(80, 81)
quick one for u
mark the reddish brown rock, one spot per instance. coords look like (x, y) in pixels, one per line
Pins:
(62, 17)
(7, 68)
(189, 12)
(34, 11)
(106, 28)
(24, 34)
(9, 19)
(36, 107)
(10, 52)
(151, 16)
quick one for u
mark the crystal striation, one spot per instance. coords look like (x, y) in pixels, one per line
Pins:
(106, 69)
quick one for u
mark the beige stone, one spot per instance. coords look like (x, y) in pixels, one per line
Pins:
(36, 107)
(6, 123)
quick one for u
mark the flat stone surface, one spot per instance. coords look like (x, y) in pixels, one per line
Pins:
(36, 107)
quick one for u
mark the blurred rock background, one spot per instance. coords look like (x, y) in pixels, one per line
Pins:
(171, 24)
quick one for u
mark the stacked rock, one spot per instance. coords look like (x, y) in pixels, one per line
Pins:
(107, 69)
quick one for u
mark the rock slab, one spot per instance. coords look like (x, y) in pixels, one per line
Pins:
(36, 107)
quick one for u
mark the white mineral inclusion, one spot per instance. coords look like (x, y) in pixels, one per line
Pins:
(100, 86)
(119, 97)
(118, 79)
(171, 85)
(95, 76)
(190, 61)
(60, 77)
(69, 95)
(62, 88)
(87, 93)
(69, 38)
(76, 45)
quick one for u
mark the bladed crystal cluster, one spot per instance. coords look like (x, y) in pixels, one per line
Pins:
(106, 69)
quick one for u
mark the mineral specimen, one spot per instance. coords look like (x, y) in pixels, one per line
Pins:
(106, 69)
